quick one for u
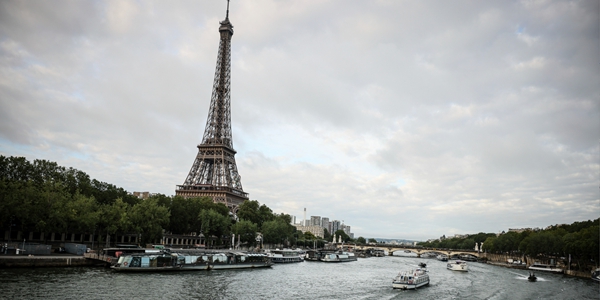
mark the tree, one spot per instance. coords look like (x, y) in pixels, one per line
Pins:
(246, 231)
(488, 244)
(213, 223)
(252, 211)
(148, 219)
(361, 240)
(277, 231)
(372, 240)
(345, 237)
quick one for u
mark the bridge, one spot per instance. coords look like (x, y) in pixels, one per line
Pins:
(418, 250)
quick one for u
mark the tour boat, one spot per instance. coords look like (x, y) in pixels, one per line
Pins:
(286, 256)
(457, 265)
(166, 261)
(545, 268)
(340, 256)
(140, 262)
(411, 280)
(442, 257)
(239, 260)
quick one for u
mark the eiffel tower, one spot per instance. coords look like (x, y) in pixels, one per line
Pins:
(214, 172)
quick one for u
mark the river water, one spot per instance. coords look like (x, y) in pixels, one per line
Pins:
(368, 278)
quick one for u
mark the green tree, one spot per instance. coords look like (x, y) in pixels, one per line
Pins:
(345, 237)
(214, 225)
(252, 211)
(148, 219)
(361, 240)
(246, 231)
(277, 231)
(488, 245)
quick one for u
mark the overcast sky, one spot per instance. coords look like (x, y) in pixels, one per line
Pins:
(404, 119)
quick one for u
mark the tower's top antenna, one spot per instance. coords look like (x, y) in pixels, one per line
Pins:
(227, 15)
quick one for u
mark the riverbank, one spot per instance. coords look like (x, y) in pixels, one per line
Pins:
(45, 261)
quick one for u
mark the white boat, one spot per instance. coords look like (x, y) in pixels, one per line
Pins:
(286, 256)
(410, 280)
(340, 256)
(239, 260)
(442, 257)
(545, 268)
(596, 275)
(457, 265)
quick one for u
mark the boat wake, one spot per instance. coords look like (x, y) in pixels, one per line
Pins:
(524, 277)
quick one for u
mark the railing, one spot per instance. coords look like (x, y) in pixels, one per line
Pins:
(211, 188)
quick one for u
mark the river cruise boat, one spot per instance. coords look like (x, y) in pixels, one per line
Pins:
(286, 256)
(141, 262)
(442, 257)
(457, 265)
(239, 260)
(166, 261)
(545, 268)
(340, 256)
(410, 280)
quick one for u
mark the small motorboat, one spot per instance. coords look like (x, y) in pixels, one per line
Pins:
(422, 265)
(532, 277)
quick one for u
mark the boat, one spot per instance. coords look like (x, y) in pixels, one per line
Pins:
(532, 277)
(286, 256)
(330, 255)
(142, 262)
(340, 256)
(422, 265)
(239, 260)
(166, 261)
(457, 265)
(596, 275)
(545, 268)
(410, 280)
(442, 257)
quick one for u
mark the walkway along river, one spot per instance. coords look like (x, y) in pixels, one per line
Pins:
(368, 278)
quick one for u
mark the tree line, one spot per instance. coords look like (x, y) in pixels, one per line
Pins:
(580, 241)
(41, 196)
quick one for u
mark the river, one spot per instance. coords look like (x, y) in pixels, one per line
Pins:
(368, 278)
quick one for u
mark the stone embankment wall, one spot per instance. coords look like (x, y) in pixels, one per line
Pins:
(578, 274)
(503, 258)
(44, 261)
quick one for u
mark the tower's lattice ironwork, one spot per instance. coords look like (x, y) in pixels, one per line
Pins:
(214, 172)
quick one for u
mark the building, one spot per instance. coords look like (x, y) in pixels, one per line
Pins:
(335, 226)
(325, 223)
(315, 221)
(315, 230)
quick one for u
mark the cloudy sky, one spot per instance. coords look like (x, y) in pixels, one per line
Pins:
(405, 119)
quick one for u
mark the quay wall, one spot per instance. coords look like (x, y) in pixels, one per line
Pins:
(503, 258)
(46, 261)
(578, 273)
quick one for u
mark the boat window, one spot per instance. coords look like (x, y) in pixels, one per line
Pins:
(136, 262)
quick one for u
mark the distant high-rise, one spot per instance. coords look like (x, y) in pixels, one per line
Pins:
(335, 226)
(325, 223)
(315, 221)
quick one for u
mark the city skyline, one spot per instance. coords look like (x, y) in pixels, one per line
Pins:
(411, 119)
